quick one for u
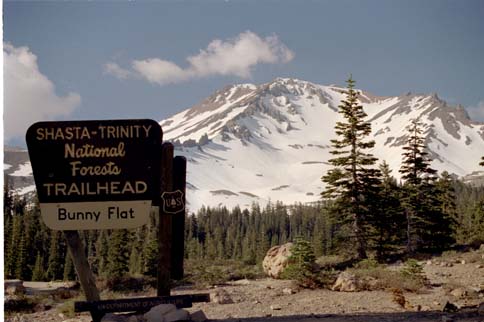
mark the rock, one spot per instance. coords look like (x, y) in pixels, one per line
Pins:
(14, 287)
(134, 318)
(241, 282)
(275, 307)
(479, 266)
(480, 309)
(113, 318)
(41, 307)
(178, 315)
(463, 262)
(346, 282)
(198, 316)
(459, 293)
(276, 260)
(288, 291)
(449, 308)
(64, 293)
(157, 313)
(446, 319)
(429, 262)
(221, 297)
(425, 308)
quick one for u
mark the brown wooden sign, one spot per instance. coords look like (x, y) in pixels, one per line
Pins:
(96, 174)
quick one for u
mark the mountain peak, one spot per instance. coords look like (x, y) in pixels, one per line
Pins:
(272, 141)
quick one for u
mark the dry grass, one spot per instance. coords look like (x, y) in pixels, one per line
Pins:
(381, 278)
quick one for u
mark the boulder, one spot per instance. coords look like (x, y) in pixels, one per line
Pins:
(157, 313)
(14, 287)
(198, 316)
(449, 307)
(113, 318)
(221, 297)
(276, 260)
(480, 309)
(459, 293)
(346, 282)
(178, 315)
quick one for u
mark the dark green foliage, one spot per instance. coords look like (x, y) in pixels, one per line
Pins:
(217, 235)
(353, 181)
(21, 269)
(55, 270)
(388, 216)
(118, 253)
(150, 255)
(416, 162)
(469, 227)
(38, 273)
(69, 271)
(102, 247)
(418, 198)
(482, 162)
(302, 264)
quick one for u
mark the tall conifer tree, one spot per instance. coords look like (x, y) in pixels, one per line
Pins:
(419, 185)
(353, 179)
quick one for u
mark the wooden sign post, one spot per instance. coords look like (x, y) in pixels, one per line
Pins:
(108, 175)
(178, 223)
(165, 223)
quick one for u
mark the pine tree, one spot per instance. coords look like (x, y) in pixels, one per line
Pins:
(388, 219)
(102, 247)
(22, 271)
(55, 268)
(150, 255)
(419, 180)
(352, 180)
(445, 212)
(69, 271)
(301, 265)
(482, 162)
(118, 253)
(38, 274)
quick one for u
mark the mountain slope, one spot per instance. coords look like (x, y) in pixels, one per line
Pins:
(251, 143)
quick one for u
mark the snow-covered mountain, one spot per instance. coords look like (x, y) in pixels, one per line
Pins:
(254, 143)
(250, 143)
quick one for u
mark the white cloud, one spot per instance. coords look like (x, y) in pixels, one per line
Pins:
(160, 71)
(116, 70)
(477, 112)
(29, 95)
(236, 56)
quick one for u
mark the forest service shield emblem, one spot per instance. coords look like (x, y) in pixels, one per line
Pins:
(173, 202)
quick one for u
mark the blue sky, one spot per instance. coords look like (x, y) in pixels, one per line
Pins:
(109, 60)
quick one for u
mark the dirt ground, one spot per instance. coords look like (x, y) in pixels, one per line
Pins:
(458, 279)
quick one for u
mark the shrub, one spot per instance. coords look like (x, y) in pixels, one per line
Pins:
(302, 265)
(202, 275)
(377, 277)
(126, 284)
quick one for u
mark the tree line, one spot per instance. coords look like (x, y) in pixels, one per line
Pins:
(35, 252)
